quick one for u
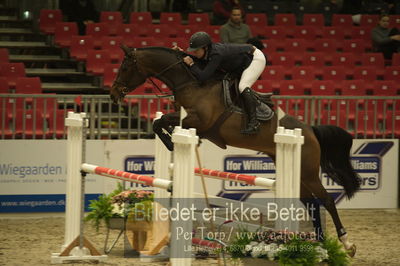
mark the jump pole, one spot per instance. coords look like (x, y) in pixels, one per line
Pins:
(288, 173)
(76, 246)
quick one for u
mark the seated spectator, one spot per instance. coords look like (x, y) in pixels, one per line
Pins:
(222, 10)
(235, 31)
(384, 39)
(80, 11)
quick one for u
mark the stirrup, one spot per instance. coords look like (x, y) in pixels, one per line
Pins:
(251, 129)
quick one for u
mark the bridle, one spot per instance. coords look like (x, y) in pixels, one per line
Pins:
(132, 57)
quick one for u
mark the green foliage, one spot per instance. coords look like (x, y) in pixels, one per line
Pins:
(242, 238)
(100, 210)
(337, 255)
(298, 252)
(132, 203)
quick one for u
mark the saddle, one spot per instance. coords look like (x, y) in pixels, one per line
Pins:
(232, 100)
(233, 104)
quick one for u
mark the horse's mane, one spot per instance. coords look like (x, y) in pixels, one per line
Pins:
(165, 49)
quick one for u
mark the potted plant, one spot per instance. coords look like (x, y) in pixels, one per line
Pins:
(120, 205)
(285, 248)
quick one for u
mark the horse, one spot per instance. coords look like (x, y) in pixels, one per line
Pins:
(325, 146)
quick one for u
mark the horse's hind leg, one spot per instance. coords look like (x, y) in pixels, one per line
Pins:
(313, 208)
(312, 183)
(315, 186)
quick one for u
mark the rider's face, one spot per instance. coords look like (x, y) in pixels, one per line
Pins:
(199, 53)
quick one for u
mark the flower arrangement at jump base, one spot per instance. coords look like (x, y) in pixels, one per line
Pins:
(127, 204)
(286, 248)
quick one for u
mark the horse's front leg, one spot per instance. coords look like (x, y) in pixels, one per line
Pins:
(164, 126)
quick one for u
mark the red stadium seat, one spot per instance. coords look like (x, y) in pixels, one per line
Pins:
(266, 86)
(162, 31)
(313, 20)
(325, 45)
(4, 88)
(96, 61)
(363, 33)
(4, 55)
(48, 19)
(392, 73)
(57, 127)
(281, 59)
(29, 124)
(64, 32)
(395, 59)
(368, 20)
(270, 45)
(97, 31)
(126, 31)
(80, 45)
(385, 88)
(373, 59)
(294, 45)
(344, 59)
(199, 19)
(141, 18)
(276, 32)
(333, 33)
(256, 19)
(112, 44)
(273, 73)
(170, 18)
(316, 59)
(185, 31)
(292, 87)
(335, 73)
(305, 32)
(143, 42)
(392, 124)
(367, 125)
(307, 73)
(368, 73)
(28, 85)
(113, 20)
(12, 71)
(323, 87)
(356, 46)
(109, 75)
(353, 87)
(271, 78)
(180, 42)
(213, 30)
(342, 20)
(287, 20)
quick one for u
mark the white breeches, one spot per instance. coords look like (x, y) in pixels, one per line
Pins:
(253, 71)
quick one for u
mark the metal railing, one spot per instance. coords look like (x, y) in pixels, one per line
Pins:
(25, 116)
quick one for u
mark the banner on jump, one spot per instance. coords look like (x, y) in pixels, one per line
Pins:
(32, 183)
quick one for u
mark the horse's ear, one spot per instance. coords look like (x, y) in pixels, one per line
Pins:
(125, 49)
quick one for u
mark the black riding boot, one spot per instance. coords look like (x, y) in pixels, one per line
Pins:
(250, 104)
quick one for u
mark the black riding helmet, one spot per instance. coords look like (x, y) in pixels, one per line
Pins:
(199, 40)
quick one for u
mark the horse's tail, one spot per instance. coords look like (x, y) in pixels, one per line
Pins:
(335, 145)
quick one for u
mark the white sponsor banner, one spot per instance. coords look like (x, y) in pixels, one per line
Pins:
(39, 168)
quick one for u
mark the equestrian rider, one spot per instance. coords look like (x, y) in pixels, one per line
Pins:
(229, 58)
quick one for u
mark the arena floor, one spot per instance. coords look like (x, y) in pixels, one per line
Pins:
(30, 239)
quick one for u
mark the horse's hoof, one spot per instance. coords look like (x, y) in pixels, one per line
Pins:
(352, 250)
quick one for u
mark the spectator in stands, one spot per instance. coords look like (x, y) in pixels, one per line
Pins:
(80, 11)
(384, 39)
(235, 31)
(222, 10)
(243, 60)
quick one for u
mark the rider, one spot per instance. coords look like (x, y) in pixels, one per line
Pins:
(229, 58)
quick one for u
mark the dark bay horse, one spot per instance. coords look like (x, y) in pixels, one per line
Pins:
(325, 146)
